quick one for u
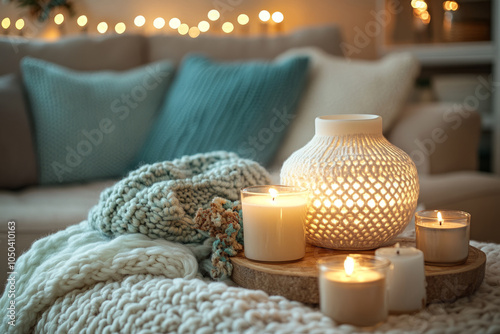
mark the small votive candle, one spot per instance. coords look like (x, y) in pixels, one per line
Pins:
(443, 236)
(273, 222)
(352, 289)
(405, 279)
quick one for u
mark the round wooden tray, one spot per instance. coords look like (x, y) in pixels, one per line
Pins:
(298, 280)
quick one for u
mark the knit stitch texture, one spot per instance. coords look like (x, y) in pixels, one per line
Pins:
(161, 200)
(80, 282)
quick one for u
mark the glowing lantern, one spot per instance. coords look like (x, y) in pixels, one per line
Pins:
(363, 189)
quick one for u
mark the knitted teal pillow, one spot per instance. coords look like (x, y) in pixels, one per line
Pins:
(243, 107)
(91, 125)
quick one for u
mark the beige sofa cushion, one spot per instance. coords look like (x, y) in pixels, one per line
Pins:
(18, 162)
(439, 137)
(83, 53)
(175, 47)
(49, 209)
(343, 86)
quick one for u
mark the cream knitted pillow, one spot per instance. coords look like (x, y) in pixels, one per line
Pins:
(342, 86)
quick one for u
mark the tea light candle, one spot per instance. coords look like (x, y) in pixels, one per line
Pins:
(443, 236)
(353, 289)
(405, 279)
(273, 222)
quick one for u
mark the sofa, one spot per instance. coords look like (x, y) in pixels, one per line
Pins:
(441, 138)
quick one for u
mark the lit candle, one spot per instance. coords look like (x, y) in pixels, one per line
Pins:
(273, 222)
(353, 289)
(405, 279)
(443, 236)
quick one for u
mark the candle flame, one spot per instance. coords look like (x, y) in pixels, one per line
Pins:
(274, 193)
(349, 266)
(397, 248)
(440, 218)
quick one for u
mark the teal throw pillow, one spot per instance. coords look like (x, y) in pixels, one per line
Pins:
(91, 125)
(243, 107)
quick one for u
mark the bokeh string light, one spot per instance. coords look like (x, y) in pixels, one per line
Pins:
(420, 10)
(159, 23)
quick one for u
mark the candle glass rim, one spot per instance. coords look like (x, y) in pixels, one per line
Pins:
(336, 262)
(447, 214)
(290, 190)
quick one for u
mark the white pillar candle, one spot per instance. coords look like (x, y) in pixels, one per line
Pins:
(405, 279)
(273, 222)
(443, 236)
(353, 289)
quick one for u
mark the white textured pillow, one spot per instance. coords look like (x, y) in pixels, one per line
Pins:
(341, 86)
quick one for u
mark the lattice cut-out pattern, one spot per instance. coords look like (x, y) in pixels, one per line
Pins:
(363, 189)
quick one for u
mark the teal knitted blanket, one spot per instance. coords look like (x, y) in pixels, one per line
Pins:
(161, 200)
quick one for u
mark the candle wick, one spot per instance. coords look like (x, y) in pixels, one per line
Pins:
(440, 222)
(397, 252)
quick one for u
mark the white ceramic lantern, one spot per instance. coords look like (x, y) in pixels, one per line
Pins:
(363, 189)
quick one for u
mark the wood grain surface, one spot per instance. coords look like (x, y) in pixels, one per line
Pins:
(298, 280)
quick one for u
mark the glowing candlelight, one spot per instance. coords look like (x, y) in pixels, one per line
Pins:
(273, 219)
(353, 290)
(443, 236)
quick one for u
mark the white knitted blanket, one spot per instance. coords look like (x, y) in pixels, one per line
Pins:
(78, 281)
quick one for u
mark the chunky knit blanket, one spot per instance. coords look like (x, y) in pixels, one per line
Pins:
(161, 200)
(91, 279)
(77, 281)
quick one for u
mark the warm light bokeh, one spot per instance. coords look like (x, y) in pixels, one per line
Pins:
(183, 29)
(194, 32)
(102, 27)
(264, 16)
(278, 17)
(82, 20)
(19, 24)
(120, 28)
(243, 19)
(6, 23)
(450, 6)
(420, 10)
(204, 26)
(174, 23)
(213, 15)
(139, 20)
(227, 27)
(59, 19)
(159, 23)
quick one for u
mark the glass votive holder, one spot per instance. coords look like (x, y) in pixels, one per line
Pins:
(273, 222)
(443, 236)
(353, 289)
